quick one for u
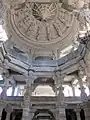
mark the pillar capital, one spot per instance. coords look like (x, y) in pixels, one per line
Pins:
(30, 77)
(59, 78)
(8, 108)
(83, 94)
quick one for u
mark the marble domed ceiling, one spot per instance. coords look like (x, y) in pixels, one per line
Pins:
(40, 24)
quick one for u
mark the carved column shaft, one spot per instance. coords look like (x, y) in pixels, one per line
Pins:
(8, 116)
(61, 95)
(26, 108)
(83, 94)
(60, 110)
(78, 114)
(27, 97)
(86, 71)
(58, 86)
(6, 78)
(1, 109)
(9, 110)
(13, 90)
(73, 90)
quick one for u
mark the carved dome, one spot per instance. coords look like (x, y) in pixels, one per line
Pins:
(41, 24)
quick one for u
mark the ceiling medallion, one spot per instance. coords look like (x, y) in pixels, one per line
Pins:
(44, 12)
(46, 23)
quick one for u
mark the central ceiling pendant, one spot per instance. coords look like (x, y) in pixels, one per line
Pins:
(44, 12)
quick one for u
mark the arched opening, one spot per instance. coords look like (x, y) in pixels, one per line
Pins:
(70, 114)
(43, 86)
(43, 90)
(43, 114)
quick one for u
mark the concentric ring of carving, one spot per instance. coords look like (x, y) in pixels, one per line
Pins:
(41, 24)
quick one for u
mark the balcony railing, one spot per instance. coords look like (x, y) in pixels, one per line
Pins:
(44, 99)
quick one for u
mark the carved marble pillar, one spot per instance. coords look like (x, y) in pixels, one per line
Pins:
(60, 113)
(61, 88)
(60, 109)
(58, 86)
(73, 90)
(9, 110)
(6, 78)
(56, 90)
(13, 83)
(8, 116)
(13, 90)
(13, 115)
(61, 103)
(26, 107)
(78, 113)
(86, 71)
(1, 109)
(86, 107)
(83, 94)
(88, 84)
(27, 97)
